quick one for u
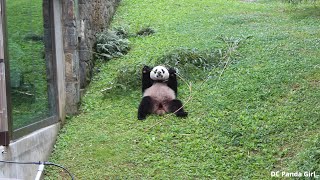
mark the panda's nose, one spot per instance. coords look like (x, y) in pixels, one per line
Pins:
(159, 74)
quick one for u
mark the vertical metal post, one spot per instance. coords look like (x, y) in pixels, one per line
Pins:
(4, 122)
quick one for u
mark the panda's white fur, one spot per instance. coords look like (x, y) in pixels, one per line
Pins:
(159, 73)
(161, 95)
(160, 92)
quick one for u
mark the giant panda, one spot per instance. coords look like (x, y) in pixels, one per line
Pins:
(159, 88)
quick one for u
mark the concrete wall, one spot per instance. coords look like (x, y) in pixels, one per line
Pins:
(34, 147)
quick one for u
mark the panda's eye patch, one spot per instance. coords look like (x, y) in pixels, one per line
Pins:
(155, 71)
(162, 71)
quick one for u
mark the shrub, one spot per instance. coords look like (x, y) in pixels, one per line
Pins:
(111, 45)
(122, 31)
(191, 63)
(127, 78)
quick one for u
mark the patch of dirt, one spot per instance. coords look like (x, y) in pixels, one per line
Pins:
(315, 83)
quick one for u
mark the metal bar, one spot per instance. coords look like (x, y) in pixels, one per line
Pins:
(1, 30)
(4, 123)
(50, 56)
(4, 138)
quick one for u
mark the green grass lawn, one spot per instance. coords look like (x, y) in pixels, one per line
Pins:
(261, 115)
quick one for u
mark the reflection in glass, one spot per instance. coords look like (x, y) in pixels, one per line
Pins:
(27, 62)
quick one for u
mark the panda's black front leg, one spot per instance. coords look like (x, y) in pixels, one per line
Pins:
(172, 82)
(145, 107)
(146, 80)
(175, 106)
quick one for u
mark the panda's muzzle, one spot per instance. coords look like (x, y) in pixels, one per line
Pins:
(159, 74)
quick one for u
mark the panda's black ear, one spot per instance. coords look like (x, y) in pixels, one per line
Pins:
(146, 69)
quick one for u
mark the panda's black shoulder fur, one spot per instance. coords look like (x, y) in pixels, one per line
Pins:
(148, 82)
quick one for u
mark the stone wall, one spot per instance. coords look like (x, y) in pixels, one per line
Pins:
(81, 20)
(94, 15)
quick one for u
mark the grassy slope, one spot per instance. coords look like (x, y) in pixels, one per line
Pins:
(261, 116)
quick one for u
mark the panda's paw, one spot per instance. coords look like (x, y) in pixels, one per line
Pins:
(172, 71)
(146, 69)
(182, 114)
(141, 118)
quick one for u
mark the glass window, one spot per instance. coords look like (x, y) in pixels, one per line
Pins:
(27, 60)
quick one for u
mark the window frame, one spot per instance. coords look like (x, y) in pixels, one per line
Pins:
(50, 47)
(5, 118)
